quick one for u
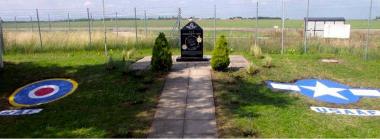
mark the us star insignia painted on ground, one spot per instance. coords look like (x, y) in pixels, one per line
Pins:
(330, 92)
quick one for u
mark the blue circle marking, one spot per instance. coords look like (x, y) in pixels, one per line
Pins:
(28, 95)
(327, 91)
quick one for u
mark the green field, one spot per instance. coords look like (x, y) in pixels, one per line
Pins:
(263, 23)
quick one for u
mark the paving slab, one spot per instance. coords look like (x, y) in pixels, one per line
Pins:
(142, 64)
(170, 113)
(166, 128)
(205, 86)
(177, 80)
(172, 103)
(200, 113)
(199, 127)
(206, 93)
(195, 78)
(177, 74)
(179, 66)
(238, 61)
(200, 72)
(200, 102)
(176, 85)
(210, 136)
(174, 93)
(200, 81)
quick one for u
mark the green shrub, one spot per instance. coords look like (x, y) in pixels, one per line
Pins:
(252, 69)
(267, 62)
(256, 51)
(220, 55)
(161, 55)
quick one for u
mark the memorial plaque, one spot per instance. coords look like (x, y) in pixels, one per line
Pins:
(191, 43)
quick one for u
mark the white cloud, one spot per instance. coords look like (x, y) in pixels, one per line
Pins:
(87, 3)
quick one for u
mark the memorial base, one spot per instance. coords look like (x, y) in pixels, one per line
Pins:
(191, 59)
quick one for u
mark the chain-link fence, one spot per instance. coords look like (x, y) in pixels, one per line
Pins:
(275, 30)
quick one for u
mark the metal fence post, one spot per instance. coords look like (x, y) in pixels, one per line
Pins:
(179, 26)
(15, 20)
(105, 32)
(16, 29)
(31, 22)
(117, 27)
(1, 44)
(257, 22)
(136, 26)
(145, 24)
(306, 27)
(282, 28)
(368, 31)
(39, 27)
(89, 28)
(68, 21)
(214, 26)
(49, 22)
(92, 20)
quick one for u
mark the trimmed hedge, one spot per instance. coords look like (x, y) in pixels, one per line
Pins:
(220, 55)
(161, 55)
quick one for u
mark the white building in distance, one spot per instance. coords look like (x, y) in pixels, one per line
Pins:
(327, 27)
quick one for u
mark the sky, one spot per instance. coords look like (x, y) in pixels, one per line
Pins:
(294, 9)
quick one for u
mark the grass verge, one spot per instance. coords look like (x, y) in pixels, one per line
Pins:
(247, 108)
(106, 103)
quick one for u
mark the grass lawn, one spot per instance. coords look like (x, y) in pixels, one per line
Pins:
(106, 103)
(247, 108)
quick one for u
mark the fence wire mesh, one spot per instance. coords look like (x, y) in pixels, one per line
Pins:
(75, 29)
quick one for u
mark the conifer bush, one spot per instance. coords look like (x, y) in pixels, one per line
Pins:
(220, 55)
(161, 55)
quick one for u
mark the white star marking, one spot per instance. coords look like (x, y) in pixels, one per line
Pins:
(321, 90)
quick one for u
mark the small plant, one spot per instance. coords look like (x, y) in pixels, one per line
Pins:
(252, 69)
(127, 67)
(127, 55)
(110, 64)
(123, 54)
(256, 51)
(130, 54)
(161, 55)
(267, 62)
(220, 55)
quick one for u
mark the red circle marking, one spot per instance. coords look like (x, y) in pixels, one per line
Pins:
(44, 91)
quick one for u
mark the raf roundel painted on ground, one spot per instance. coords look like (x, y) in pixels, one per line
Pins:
(42, 92)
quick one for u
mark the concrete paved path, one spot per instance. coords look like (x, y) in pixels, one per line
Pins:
(186, 106)
(237, 61)
(142, 64)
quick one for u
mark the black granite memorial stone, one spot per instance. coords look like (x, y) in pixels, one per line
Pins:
(191, 43)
